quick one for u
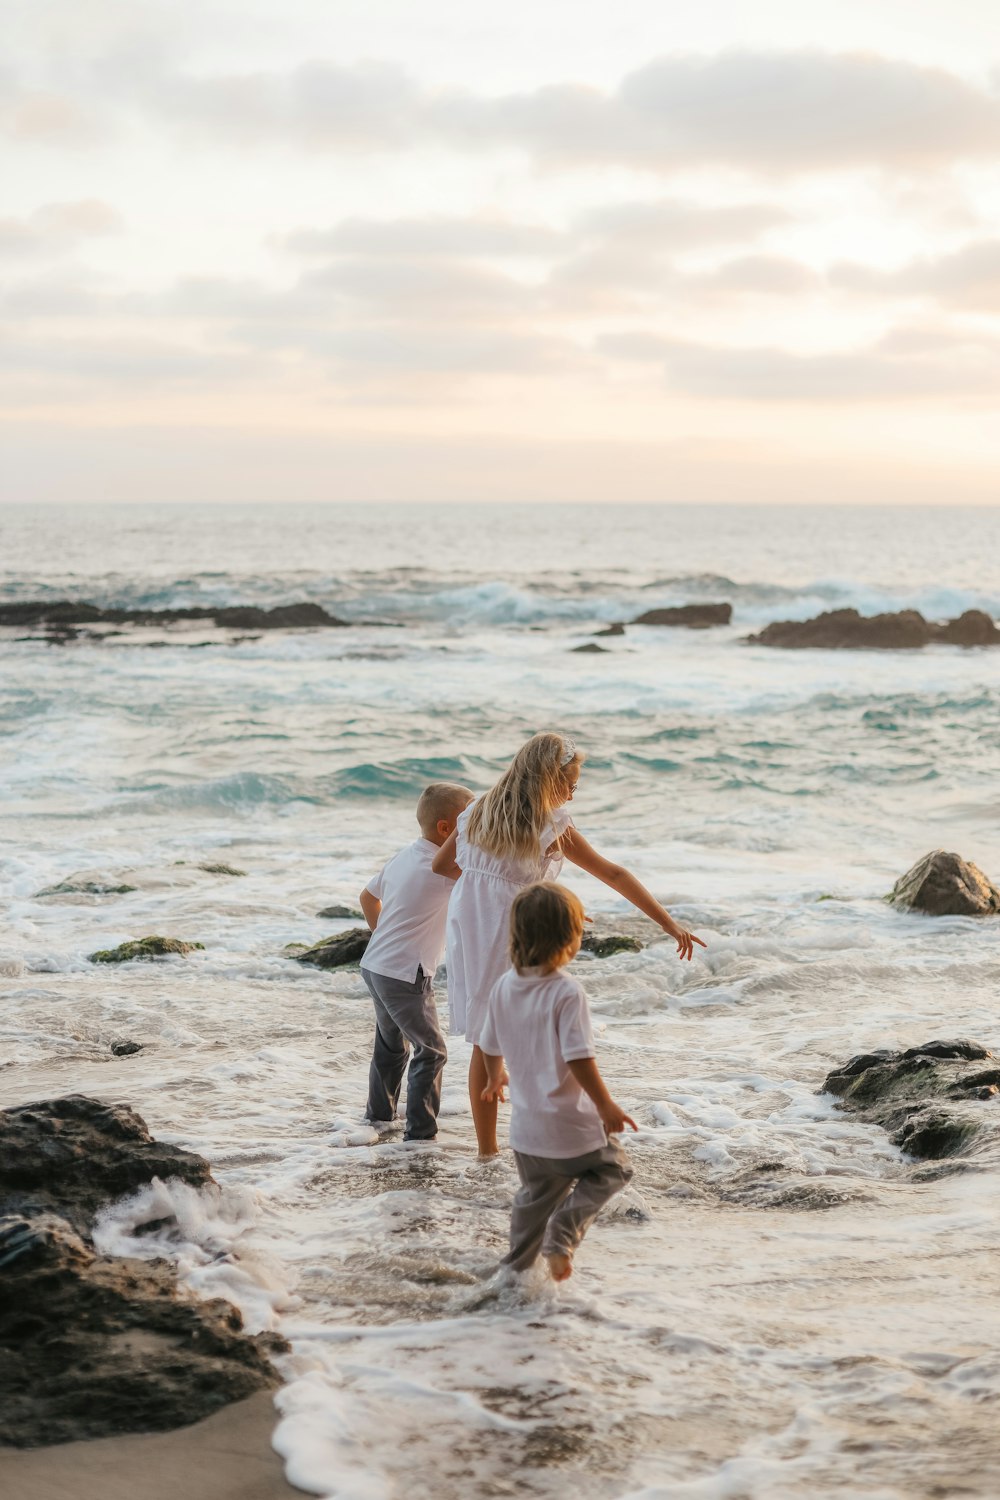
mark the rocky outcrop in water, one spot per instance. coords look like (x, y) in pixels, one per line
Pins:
(946, 885)
(338, 913)
(692, 616)
(617, 628)
(934, 1100)
(144, 948)
(68, 614)
(603, 945)
(906, 630)
(334, 952)
(92, 1344)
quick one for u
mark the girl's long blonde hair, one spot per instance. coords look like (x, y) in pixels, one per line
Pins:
(510, 819)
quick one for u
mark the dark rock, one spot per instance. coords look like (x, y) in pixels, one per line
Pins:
(603, 945)
(590, 647)
(338, 914)
(906, 630)
(67, 613)
(618, 628)
(74, 887)
(928, 1097)
(693, 616)
(944, 884)
(221, 870)
(72, 1155)
(143, 948)
(126, 1049)
(333, 952)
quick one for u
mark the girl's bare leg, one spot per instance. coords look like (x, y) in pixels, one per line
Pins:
(484, 1115)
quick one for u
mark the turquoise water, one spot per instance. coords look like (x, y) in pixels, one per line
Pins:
(826, 1332)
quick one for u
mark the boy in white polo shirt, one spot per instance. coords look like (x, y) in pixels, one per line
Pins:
(406, 906)
(562, 1116)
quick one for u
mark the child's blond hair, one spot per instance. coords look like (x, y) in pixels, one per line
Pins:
(441, 800)
(546, 923)
(510, 819)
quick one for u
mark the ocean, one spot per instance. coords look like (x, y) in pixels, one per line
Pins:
(782, 1304)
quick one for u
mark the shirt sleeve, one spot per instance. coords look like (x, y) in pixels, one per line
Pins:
(573, 1025)
(561, 820)
(376, 885)
(489, 1042)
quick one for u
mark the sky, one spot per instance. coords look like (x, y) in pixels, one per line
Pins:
(458, 250)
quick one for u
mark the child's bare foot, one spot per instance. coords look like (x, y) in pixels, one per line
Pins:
(560, 1266)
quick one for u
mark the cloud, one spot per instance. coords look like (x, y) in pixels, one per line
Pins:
(965, 278)
(760, 111)
(438, 235)
(903, 365)
(57, 227)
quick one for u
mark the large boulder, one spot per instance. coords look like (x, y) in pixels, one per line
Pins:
(332, 953)
(973, 628)
(946, 885)
(936, 1100)
(905, 630)
(692, 616)
(91, 1344)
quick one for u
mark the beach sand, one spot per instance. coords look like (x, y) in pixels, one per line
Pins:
(226, 1457)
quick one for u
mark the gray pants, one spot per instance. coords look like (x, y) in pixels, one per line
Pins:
(405, 1015)
(559, 1199)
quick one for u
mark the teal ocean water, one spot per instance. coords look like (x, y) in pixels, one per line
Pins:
(822, 1327)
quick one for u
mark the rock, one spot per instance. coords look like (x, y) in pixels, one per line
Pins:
(590, 647)
(221, 870)
(145, 948)
(930, 1098)
(333, 952)
(603, 945)
(944, 884)
(693, 616)
(126, 1048)
(906, 630)
(72, 1155)
(338, 914)
(77, 887)
(618, 628)
(66, 613)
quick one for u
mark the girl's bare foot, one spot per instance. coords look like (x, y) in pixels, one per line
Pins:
(560, 1266)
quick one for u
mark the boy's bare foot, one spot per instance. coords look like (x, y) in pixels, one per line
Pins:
(560, 1266)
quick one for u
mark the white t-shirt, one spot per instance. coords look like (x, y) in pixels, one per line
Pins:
(409, 934)
(540, 1023)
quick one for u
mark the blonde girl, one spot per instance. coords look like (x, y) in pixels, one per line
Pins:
(518, 833)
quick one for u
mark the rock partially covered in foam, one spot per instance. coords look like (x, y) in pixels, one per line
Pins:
(936, 1100)
(90, 1344)
(334, 952)
(605, 944)
(946, 885)
(144, 948)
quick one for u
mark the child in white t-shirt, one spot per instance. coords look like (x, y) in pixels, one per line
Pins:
(406, 906)
(562, 1116)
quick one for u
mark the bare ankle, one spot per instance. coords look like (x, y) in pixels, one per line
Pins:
(560, 1265)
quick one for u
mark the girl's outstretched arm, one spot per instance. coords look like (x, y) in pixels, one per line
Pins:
(443, 862)
(575, 847)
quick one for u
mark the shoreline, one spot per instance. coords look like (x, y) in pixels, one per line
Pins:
(227, 1456)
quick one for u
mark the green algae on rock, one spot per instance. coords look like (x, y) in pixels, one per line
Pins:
(73, 887)
(143, 948)
(333, 952)
(603, 945)
(221, 870)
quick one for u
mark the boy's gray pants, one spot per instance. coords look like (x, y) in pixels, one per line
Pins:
(405, 1014)
(559, 1199)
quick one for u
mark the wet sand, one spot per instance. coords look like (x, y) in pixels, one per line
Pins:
(226, 1457)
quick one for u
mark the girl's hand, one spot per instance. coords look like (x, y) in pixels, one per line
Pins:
(685, 940)
(494, 1092)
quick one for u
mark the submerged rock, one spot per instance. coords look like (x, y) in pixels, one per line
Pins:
(125, 1048)
(338, 914)
(66, 613)
(79, 887)
(693, 616)
(603, 945)
(617, 628)
(93, 1344)
(333, 952)
(143, 948)
(944, 884)
(905, 630)
(930, 1098)
(591, 646)
(221, 870)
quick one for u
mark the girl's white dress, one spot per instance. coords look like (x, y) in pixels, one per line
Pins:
(479, 917)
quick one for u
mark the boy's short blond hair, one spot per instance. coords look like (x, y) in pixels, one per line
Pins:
(442, 799)
(545, 922)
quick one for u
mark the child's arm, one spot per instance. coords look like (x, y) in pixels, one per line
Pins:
(496, 1078)
(576, 849)
(443, 862)
(371, 907)
(587, 1075)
